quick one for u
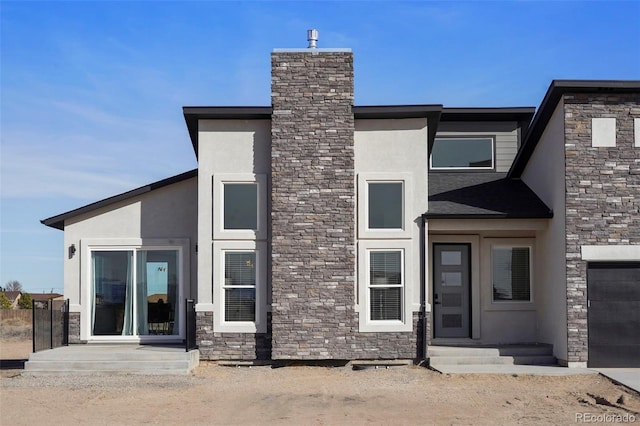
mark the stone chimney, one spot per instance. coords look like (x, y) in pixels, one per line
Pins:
(312, 203)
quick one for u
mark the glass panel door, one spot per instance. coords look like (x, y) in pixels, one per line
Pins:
(135, 298)
(112, 292)
(157, 284)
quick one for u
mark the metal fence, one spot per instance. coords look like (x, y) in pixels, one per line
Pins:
(190, 323)
(50, 324)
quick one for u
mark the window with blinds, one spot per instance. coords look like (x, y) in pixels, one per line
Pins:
(240, 286)
(385, 285)
(511, 271)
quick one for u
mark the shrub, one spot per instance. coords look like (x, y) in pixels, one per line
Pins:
(5, 303)
(25, 301)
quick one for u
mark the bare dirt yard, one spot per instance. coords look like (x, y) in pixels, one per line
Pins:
(303, 395)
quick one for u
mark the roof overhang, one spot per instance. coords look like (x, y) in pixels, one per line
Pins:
(58, 221)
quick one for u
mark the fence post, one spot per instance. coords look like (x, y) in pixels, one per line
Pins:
(65, 328)
(33, 325)
(50, 305)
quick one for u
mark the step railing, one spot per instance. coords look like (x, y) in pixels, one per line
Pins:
(190, 325)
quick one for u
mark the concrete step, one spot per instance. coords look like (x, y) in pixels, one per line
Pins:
(493, 360)
(105, 359)
(507, 350)
(537, 354)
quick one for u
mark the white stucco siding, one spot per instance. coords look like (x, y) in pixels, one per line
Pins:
(165, 213)
(506, 136)
(545, 175)
(390, 147)
(224, 147)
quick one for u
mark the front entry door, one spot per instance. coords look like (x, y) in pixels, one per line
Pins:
(451, 283)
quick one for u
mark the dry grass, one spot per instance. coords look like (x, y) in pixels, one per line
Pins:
(15, 328)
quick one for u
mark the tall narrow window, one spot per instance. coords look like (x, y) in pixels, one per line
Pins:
(385, 205)
(240, 206)
(386, 284)
(511, 271)
(240, 286)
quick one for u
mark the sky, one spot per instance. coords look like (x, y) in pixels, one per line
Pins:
(91, 92)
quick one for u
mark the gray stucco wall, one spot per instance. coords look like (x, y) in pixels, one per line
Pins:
(544, 170)
(168, 213)
(602, 202)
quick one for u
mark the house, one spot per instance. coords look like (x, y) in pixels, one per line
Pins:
(13, 297)
(41, 299)
(314, 229)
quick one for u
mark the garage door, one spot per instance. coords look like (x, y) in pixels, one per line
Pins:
(614, 314)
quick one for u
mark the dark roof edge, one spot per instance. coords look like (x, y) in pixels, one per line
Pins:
(556, 90)
(490, 114)
(395, 111)
(58, 221)
(428, 215)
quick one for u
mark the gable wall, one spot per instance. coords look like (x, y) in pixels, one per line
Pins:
(602, 202)
(165, 213)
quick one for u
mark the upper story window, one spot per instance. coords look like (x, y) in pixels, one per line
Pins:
(385, 205)
(475, 153)
(240, 205)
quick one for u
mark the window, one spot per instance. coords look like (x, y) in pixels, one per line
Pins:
(385, 205)
(385, 285)
(240, 206)
(135, 291)
(511, 272)
(240, 286)
(462, 154)
(385, 278)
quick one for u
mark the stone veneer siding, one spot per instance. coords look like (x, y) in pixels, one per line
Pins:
(312, 205)
(74, 327)
(230, 346)
(602, 196)
(313, 215)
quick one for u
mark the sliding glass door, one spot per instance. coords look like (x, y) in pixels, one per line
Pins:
(135, 292)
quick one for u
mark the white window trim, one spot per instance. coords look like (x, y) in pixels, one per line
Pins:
(89, 245)
(219, 233)
(493, 154)
(365, 323)
(498, 305)
(219, 323)
(363, 205)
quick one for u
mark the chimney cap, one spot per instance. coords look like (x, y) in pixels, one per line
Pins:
(312, 38)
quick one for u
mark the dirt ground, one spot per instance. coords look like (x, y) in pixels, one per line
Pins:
(310, 395)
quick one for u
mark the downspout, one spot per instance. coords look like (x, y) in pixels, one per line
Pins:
(423, 288)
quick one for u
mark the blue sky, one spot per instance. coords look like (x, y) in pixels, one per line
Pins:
(91, 92)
